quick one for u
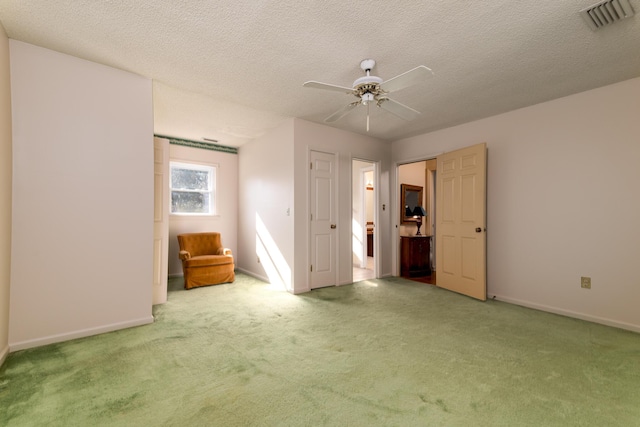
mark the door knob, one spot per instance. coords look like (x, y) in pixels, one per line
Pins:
(478, 230)
(333, 226)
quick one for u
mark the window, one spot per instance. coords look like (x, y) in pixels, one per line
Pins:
(192, 189)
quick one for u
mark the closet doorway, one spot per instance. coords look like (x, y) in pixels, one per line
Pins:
(416, 249)
(363, 219)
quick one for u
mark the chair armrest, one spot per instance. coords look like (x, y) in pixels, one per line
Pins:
(224, 251)
(184, 255)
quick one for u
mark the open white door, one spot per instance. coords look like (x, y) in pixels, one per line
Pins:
(461, 221)
(324, 210)
(160, 219)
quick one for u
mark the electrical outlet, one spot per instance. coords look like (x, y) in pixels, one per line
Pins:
(585, 282)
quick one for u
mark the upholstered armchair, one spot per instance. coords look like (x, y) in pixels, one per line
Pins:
(204, 260)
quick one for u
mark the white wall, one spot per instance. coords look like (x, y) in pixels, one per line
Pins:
(562, 201)
(266, 207)
(273, 178)
(5, 193)
(311, 136)
(226, 219)
(82, 198)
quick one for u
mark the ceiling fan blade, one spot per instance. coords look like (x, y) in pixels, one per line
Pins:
(398, 109)
(409, 78)
(342, 112)
(327, 86)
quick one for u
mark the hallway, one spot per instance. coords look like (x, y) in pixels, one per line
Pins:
(360, 274)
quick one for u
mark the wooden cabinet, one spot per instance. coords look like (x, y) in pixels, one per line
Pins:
(369, 243)
(414, 256)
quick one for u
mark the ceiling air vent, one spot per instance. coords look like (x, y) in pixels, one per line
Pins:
(606, 12)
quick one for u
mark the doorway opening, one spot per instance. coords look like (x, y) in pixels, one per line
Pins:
(363, 219)
(417, 212)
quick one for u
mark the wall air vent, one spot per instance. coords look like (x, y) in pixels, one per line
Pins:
(606, 13)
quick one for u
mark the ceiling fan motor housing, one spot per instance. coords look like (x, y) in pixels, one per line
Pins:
(367, 84)
(367, 80)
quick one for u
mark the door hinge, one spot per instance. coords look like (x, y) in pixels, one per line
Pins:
(311, 217)
(310, 165)
(312, 268)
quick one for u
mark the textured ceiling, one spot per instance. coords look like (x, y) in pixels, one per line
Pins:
(230, 70)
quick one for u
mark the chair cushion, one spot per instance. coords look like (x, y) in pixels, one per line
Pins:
(207, 260)
(200, 243)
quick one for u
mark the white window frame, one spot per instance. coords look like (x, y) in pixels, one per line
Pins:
(211, 169)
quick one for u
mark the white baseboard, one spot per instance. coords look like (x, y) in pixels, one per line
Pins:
(254, 275)
(569, 313)
(263, 278)
(3, 354)
(37, 342)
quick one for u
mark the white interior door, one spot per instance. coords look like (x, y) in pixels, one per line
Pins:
(323, 269)
(160, 219)
(461, 221)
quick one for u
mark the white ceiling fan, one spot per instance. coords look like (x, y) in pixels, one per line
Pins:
(372, 89)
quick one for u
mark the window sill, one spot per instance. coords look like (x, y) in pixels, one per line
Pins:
(196, 216)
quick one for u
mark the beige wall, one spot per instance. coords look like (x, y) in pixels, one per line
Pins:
(562, 201)
(82, 247)
(5, 193)
(369, 199)
(226, 219)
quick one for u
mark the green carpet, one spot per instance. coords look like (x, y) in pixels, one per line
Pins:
(377, 353)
